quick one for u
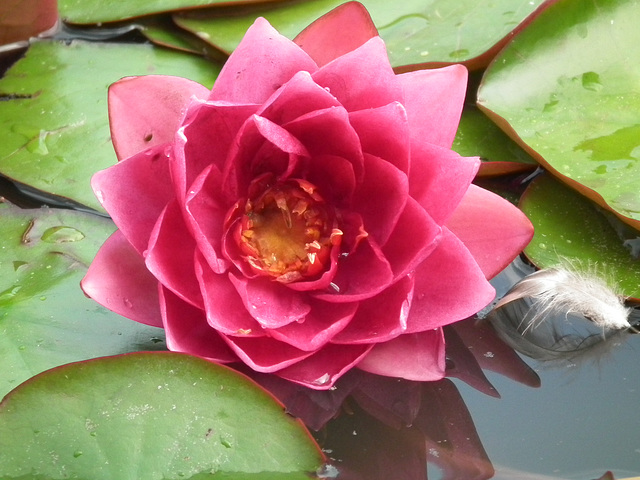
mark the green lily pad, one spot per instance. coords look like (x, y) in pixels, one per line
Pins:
(54, 110)
(570, 226)
(45, 320)
(415, 31)
(568, 89)
(150, 416)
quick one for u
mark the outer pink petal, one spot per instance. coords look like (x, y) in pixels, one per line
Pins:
(321, 370)
(439, 178)
(119, 280)
(264, 354)
(319, 327)
(494, 231)
(187, 330)
(170, 255)
(146, 111)
(362, 78)
(261, 64)
(419, 357)
(134, 192)
(434, 99)
(341, 30)
(272, 305)
(449, 287)
(381, 318)
(384, 133)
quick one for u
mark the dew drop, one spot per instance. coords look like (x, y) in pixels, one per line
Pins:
(77, 453)
(62, 234)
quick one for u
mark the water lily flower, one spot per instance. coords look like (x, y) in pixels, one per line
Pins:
(305, 216)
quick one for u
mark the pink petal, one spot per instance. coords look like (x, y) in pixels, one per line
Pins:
(334, 177)
(384, 133)
(264, 354)
(170, 255)
(261, 64)
(361, 275)
(439, 178)
(362, 78)
(434, 99)
(195, 148)
(321, 370)
(134, 192)
(381, 318)
(341, 30)
(224, 309)
(146, 111)
(119, 280)
(187, 330)
(415, 236)
(418, 356)
(273, 305)
(297, 97)
(380, 197)
(206, 212)
(322, 323)
(449, 287)
(494, 231)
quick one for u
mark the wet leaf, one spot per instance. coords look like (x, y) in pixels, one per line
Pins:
(150, 415)
(45, 320)
(568, 88)
(415, 31)
(54, 110)
(570, 226)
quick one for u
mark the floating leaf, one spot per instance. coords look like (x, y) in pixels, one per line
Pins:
(415, 31)
(568, 88)
(150, 416)
(45, 320)
(569, 226)
(54, 110)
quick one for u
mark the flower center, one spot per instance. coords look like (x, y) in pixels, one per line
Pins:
(287, 232)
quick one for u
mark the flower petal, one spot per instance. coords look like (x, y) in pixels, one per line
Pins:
(494, 230)
(381, 318)
(119, 280)
(170, 255)
(261, 64)
(362, 78)
(335, 179)
(321, 370)
(187, 330)
(273, 305)
(264, 354)
(319, 327)
(336, 33)
(419, 357)
(434, 99)
(134, 192)
(440, 279)
(146, 111)
(439, 178)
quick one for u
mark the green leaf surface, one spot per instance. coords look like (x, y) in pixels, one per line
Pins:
(415, 31)
(154, 415)
(568, 87)
(45, 320)
(53, 109)
(570, 226)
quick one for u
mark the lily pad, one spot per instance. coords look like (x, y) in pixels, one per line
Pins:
(45, 320)
(568, 89)
(150, 416)
(54, 109)
(569, 226)
(415, 31)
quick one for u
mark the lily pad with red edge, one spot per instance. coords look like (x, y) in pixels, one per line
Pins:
(417, 32)
(567, 88)
(150, 415)
(54, 113)
(569, 226)
(45, 320)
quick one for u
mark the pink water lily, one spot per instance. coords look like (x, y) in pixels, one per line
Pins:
(305, 216)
